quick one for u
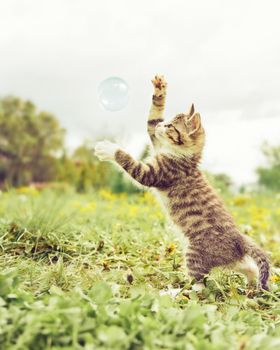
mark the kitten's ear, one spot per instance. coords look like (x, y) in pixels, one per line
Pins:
(193, 124)
(191, 111)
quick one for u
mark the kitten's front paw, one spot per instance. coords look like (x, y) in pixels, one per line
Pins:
(160, 85)
(105, 150)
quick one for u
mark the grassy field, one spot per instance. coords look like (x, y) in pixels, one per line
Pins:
(88, 271)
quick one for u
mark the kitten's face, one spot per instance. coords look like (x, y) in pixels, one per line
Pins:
(183, 134)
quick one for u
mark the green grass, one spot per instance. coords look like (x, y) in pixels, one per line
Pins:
(86, 272)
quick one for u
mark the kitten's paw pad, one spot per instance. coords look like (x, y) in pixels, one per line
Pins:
(105, 150)
(160, 85)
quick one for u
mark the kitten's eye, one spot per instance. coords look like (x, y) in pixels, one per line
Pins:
(169, 125)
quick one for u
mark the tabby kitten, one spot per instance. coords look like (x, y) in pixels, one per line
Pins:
(193, 206)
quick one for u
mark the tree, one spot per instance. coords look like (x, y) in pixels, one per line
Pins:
(91, 172)
(29, 142)
(269, 176)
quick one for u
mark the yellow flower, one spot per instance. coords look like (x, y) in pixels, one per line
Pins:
(88, 208)
(29, 190)
(275, 279)
(133, 211)
(170, 249)
(147, 198)
(107, 195)
(241, 200)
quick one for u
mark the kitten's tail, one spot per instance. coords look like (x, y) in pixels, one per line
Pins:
(262, 262)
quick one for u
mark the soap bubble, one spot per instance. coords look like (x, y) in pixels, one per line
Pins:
(113, 94)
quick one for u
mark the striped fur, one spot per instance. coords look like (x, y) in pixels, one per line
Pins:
(192, 204)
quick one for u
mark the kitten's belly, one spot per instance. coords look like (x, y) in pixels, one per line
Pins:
(164, 203)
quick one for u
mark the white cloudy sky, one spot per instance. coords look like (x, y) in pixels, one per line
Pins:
(222, 55)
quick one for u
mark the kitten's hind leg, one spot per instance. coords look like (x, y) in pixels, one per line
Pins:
(196, 267)
(248, 267)
(158, 104)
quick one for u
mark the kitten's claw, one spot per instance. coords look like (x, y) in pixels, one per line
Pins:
(160, 85)
(105, 150)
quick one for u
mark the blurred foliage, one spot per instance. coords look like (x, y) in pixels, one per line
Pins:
(269, 176)
(220, 181)
(29, 142)
(32, 151)
(86, 172)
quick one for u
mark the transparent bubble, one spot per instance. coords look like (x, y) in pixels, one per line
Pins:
(113, 94)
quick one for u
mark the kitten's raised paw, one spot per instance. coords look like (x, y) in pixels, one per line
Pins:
(160, 85)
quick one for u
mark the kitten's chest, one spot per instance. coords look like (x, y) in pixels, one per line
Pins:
(163, 200)
(171, 197)
(165, 203)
